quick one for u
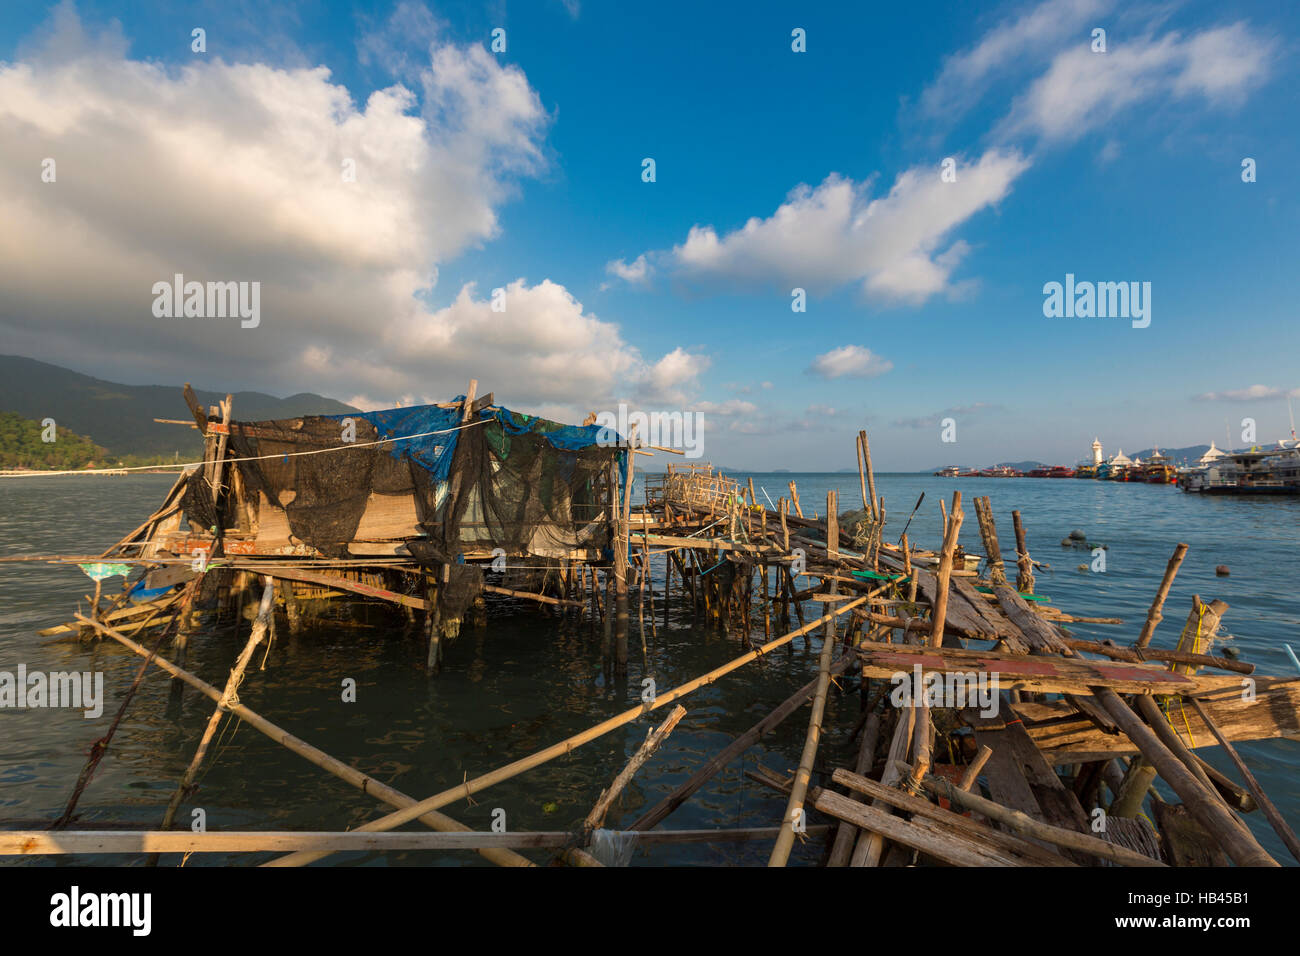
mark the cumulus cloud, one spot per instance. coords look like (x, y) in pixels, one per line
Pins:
(636, 272)
(835, 234)
(239, 172)
(1252, 393)
(851, 360)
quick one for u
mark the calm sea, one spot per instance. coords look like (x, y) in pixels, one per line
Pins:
(530, 679)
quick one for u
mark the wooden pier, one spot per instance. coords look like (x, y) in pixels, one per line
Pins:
(987, 734)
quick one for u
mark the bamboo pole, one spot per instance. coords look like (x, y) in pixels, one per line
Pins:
(363, 782)
(228, 696)
(45, 843)
(574, 741)
(1154, 615)
(660, 811)
(832, 525)
(784, 842)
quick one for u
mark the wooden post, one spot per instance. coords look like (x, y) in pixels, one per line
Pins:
(1133, 790)
(1154, 615)
(939, 613)
(1024, 565)
(794, 500)
(433, 623)
(622, 543)
(876, 509)
(867, 503)
(291, 609)
(989, 534)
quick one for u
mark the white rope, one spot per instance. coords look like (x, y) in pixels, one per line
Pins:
(195, 464)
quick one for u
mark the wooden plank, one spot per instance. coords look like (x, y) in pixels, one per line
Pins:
(997, 622)
(960, 617)
(1019, 777)
(1045, 674)
(1039, 634)
(344, 584)
(1065, 737)
(942, 844)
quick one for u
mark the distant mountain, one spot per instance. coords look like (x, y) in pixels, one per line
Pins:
(1190, 454)
(1018, 465)
(121, 417)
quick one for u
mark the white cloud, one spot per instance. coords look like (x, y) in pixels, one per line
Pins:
(225, 171)
(1250, 394)
(1019, 42)
(732, 406)
(1082, 90)
(837, 234)
(636, 272)
(851, 360)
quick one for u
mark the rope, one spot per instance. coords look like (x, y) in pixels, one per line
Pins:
(293, 454)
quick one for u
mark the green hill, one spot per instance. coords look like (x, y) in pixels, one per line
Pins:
(120, 418)
(22, 445)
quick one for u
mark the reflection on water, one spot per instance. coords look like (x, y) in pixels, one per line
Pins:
(532, 677)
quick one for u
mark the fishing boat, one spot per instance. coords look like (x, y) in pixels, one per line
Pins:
(951, 471)
(1060, 471)
(1158, 470)
(1000, 471)
(1255, 472)
(1086, 471)
(1115, 468)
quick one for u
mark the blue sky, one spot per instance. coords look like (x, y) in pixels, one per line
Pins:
(522, 170)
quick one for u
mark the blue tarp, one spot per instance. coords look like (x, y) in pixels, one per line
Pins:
(435, 452)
